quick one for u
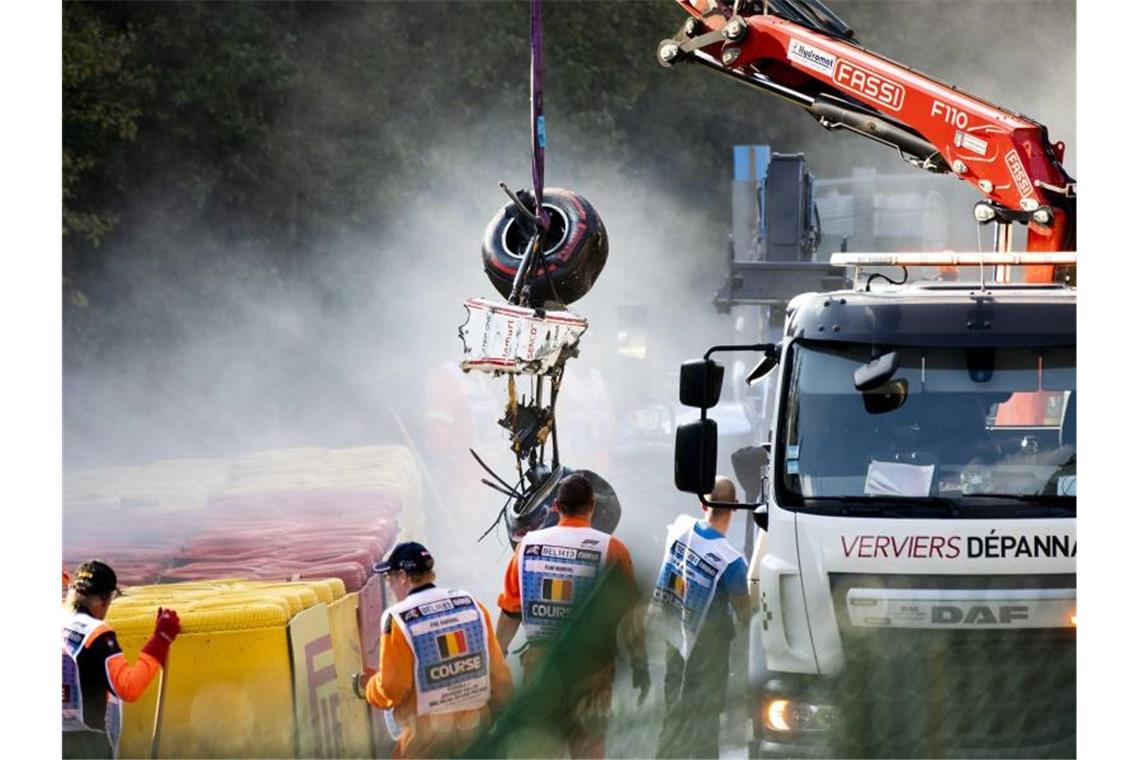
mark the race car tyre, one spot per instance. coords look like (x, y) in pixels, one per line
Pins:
(575, 249)
(537, 510)
(607, 511)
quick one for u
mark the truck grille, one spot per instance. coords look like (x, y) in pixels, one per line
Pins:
(927, 692)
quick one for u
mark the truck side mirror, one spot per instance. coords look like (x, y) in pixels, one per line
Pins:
(694, 457)
(700, 383)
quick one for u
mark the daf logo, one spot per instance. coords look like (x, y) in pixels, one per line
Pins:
(979, 614)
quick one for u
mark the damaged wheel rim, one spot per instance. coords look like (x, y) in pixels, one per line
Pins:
(515, 236)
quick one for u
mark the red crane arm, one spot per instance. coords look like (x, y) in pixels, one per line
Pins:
(1006, 156)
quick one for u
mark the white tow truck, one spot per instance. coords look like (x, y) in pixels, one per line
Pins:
(915, 573)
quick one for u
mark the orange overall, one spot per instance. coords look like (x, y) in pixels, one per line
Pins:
(96, 678)
(394, 688)
(586, 729)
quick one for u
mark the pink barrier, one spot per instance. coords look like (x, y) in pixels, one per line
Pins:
(266, 535)
(353, 575)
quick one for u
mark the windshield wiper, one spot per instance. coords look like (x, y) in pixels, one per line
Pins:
(886, 506)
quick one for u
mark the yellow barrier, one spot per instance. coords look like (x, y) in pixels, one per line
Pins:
(228, 692)
(261, 669)
(355, 718)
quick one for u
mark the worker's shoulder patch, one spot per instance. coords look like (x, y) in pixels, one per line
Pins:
(103, 636)
(387, 624)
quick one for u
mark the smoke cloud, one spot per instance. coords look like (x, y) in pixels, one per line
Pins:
(220, 348)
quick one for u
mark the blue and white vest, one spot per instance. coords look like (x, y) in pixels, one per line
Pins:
(450, 643)
(558, 568)
(78, 630)
(686, 583)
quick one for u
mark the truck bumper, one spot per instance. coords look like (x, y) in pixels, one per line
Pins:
(854, 727)
(758, 748)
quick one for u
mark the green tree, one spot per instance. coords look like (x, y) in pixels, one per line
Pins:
(99, 114)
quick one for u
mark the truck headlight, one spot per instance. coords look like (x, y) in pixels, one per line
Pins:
(791, 715)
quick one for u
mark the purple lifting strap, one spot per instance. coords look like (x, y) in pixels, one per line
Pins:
(537, 119)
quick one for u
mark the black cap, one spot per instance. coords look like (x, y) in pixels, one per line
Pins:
(95, 578)
(409, 556)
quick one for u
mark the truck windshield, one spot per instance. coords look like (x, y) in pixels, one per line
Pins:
(951, 425)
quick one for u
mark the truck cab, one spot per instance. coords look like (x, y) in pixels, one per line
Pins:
(915, 574)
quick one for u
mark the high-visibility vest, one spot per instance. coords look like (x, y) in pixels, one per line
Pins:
(449, 638)
(79, 629)
(559, 566)
(687, 581)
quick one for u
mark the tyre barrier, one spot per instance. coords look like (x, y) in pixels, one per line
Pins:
(131, 570)
(119, 511)
(351, 574)
(304, 554)
(304, 551)
(261, 669)
(366, 468)
(272, 578)
(172, 485)
(130, 528)
(328, 534)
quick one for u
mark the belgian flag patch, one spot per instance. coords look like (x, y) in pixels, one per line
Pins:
(451, 644)
(676, 584)
(557, 589)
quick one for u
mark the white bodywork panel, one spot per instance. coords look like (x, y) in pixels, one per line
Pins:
(792, 571)
(785, 640)
(500, 338)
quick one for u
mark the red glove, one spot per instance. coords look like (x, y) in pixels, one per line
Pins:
(360, 682)
(167, 626)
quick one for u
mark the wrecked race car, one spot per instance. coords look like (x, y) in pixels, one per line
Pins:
(543, 250)
(502, 339)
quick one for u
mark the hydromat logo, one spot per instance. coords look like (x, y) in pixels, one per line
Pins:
(815, 59)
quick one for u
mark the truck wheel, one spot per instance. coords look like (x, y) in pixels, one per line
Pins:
(575, 249)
